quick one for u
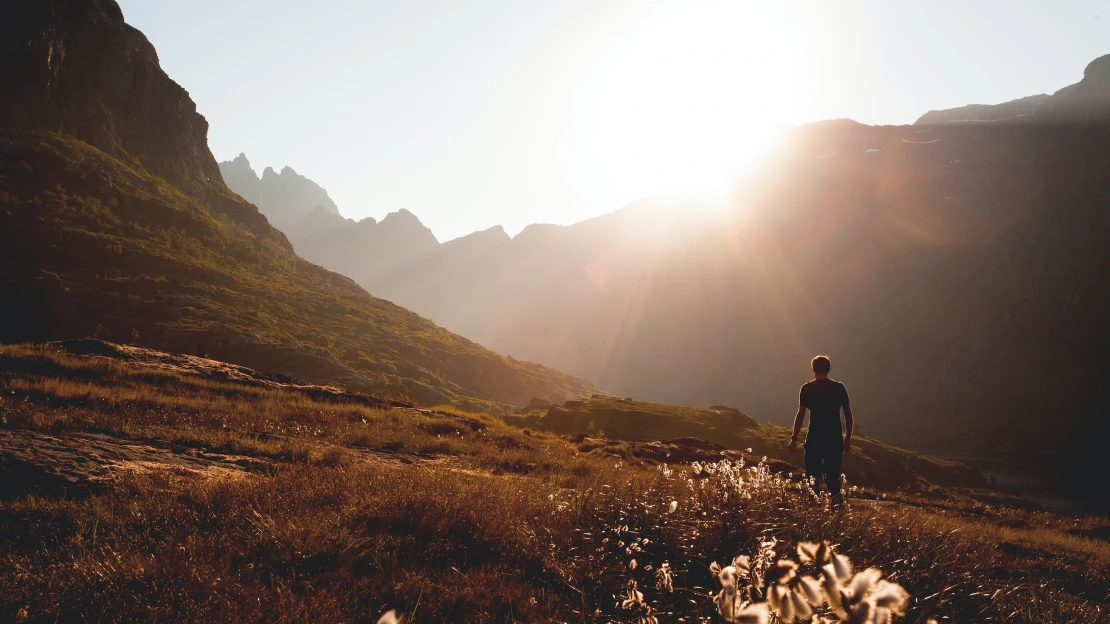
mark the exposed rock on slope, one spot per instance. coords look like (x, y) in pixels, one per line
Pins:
(75, 67)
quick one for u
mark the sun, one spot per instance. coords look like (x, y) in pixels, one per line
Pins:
(687, 96)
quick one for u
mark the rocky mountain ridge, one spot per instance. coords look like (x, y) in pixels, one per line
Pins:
(287, 199)
(1083, 101)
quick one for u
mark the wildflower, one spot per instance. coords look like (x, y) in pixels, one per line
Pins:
(634, 597)
(863, 598)
(730, 605)
(817, 554)
(389, 617)
(672, 507)
(782, 572)
(664, 578)
(635, 601)
(632, 565)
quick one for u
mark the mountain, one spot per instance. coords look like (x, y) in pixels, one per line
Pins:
(319, 220)
(303, 210)
(115, 222)
(956, 272)
(368, 248)
(286, 198)
(1086, 100)
(241, 178)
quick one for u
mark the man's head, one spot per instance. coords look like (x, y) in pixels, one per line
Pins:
(821, 366)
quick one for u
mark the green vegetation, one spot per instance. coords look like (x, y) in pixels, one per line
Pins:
(352, 505)
(97, 246)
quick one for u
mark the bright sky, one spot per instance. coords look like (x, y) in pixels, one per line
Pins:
(485, 112)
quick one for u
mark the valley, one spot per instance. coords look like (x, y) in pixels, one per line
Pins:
(223, 401)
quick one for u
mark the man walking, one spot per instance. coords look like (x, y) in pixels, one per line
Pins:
(826, 441)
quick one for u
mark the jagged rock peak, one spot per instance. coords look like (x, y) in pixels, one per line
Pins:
(402, 216)
(239, 164)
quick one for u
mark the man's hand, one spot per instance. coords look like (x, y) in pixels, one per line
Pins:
(793, 446)
(847, 445)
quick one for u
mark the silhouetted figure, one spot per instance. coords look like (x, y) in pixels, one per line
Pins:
(826, 441)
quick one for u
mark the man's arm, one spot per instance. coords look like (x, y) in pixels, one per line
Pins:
(850, 425)
(798, 419)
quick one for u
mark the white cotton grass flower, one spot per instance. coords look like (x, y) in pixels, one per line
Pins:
(731, 606)
(791, 596)
(664, 578)
(810, 589)
(389, 617)
(634, 597)
(864, 598)
(817, 554)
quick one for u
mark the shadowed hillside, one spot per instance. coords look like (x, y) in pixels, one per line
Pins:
(114, 222)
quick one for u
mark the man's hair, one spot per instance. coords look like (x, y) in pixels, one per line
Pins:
(821, 364)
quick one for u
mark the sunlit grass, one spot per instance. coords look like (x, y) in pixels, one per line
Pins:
(487, 523)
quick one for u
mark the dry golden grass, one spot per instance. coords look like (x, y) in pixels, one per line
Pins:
(487, 524)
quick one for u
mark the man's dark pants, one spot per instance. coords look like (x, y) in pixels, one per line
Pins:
(822, 459)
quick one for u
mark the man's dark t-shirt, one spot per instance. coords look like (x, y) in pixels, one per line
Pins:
(824, 398)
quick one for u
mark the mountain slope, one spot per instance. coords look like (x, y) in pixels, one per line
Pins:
(114, 221)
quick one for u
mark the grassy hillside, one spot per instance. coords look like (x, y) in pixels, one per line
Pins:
(871, 462)
(170, 487)
(91, 245)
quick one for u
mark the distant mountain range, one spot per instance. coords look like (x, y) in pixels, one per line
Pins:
(115, 222)
(956, 271)
(285, 198)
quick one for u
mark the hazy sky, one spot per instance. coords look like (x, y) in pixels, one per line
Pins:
(478, 113)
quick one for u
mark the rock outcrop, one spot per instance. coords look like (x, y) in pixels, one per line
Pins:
(75, 67)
